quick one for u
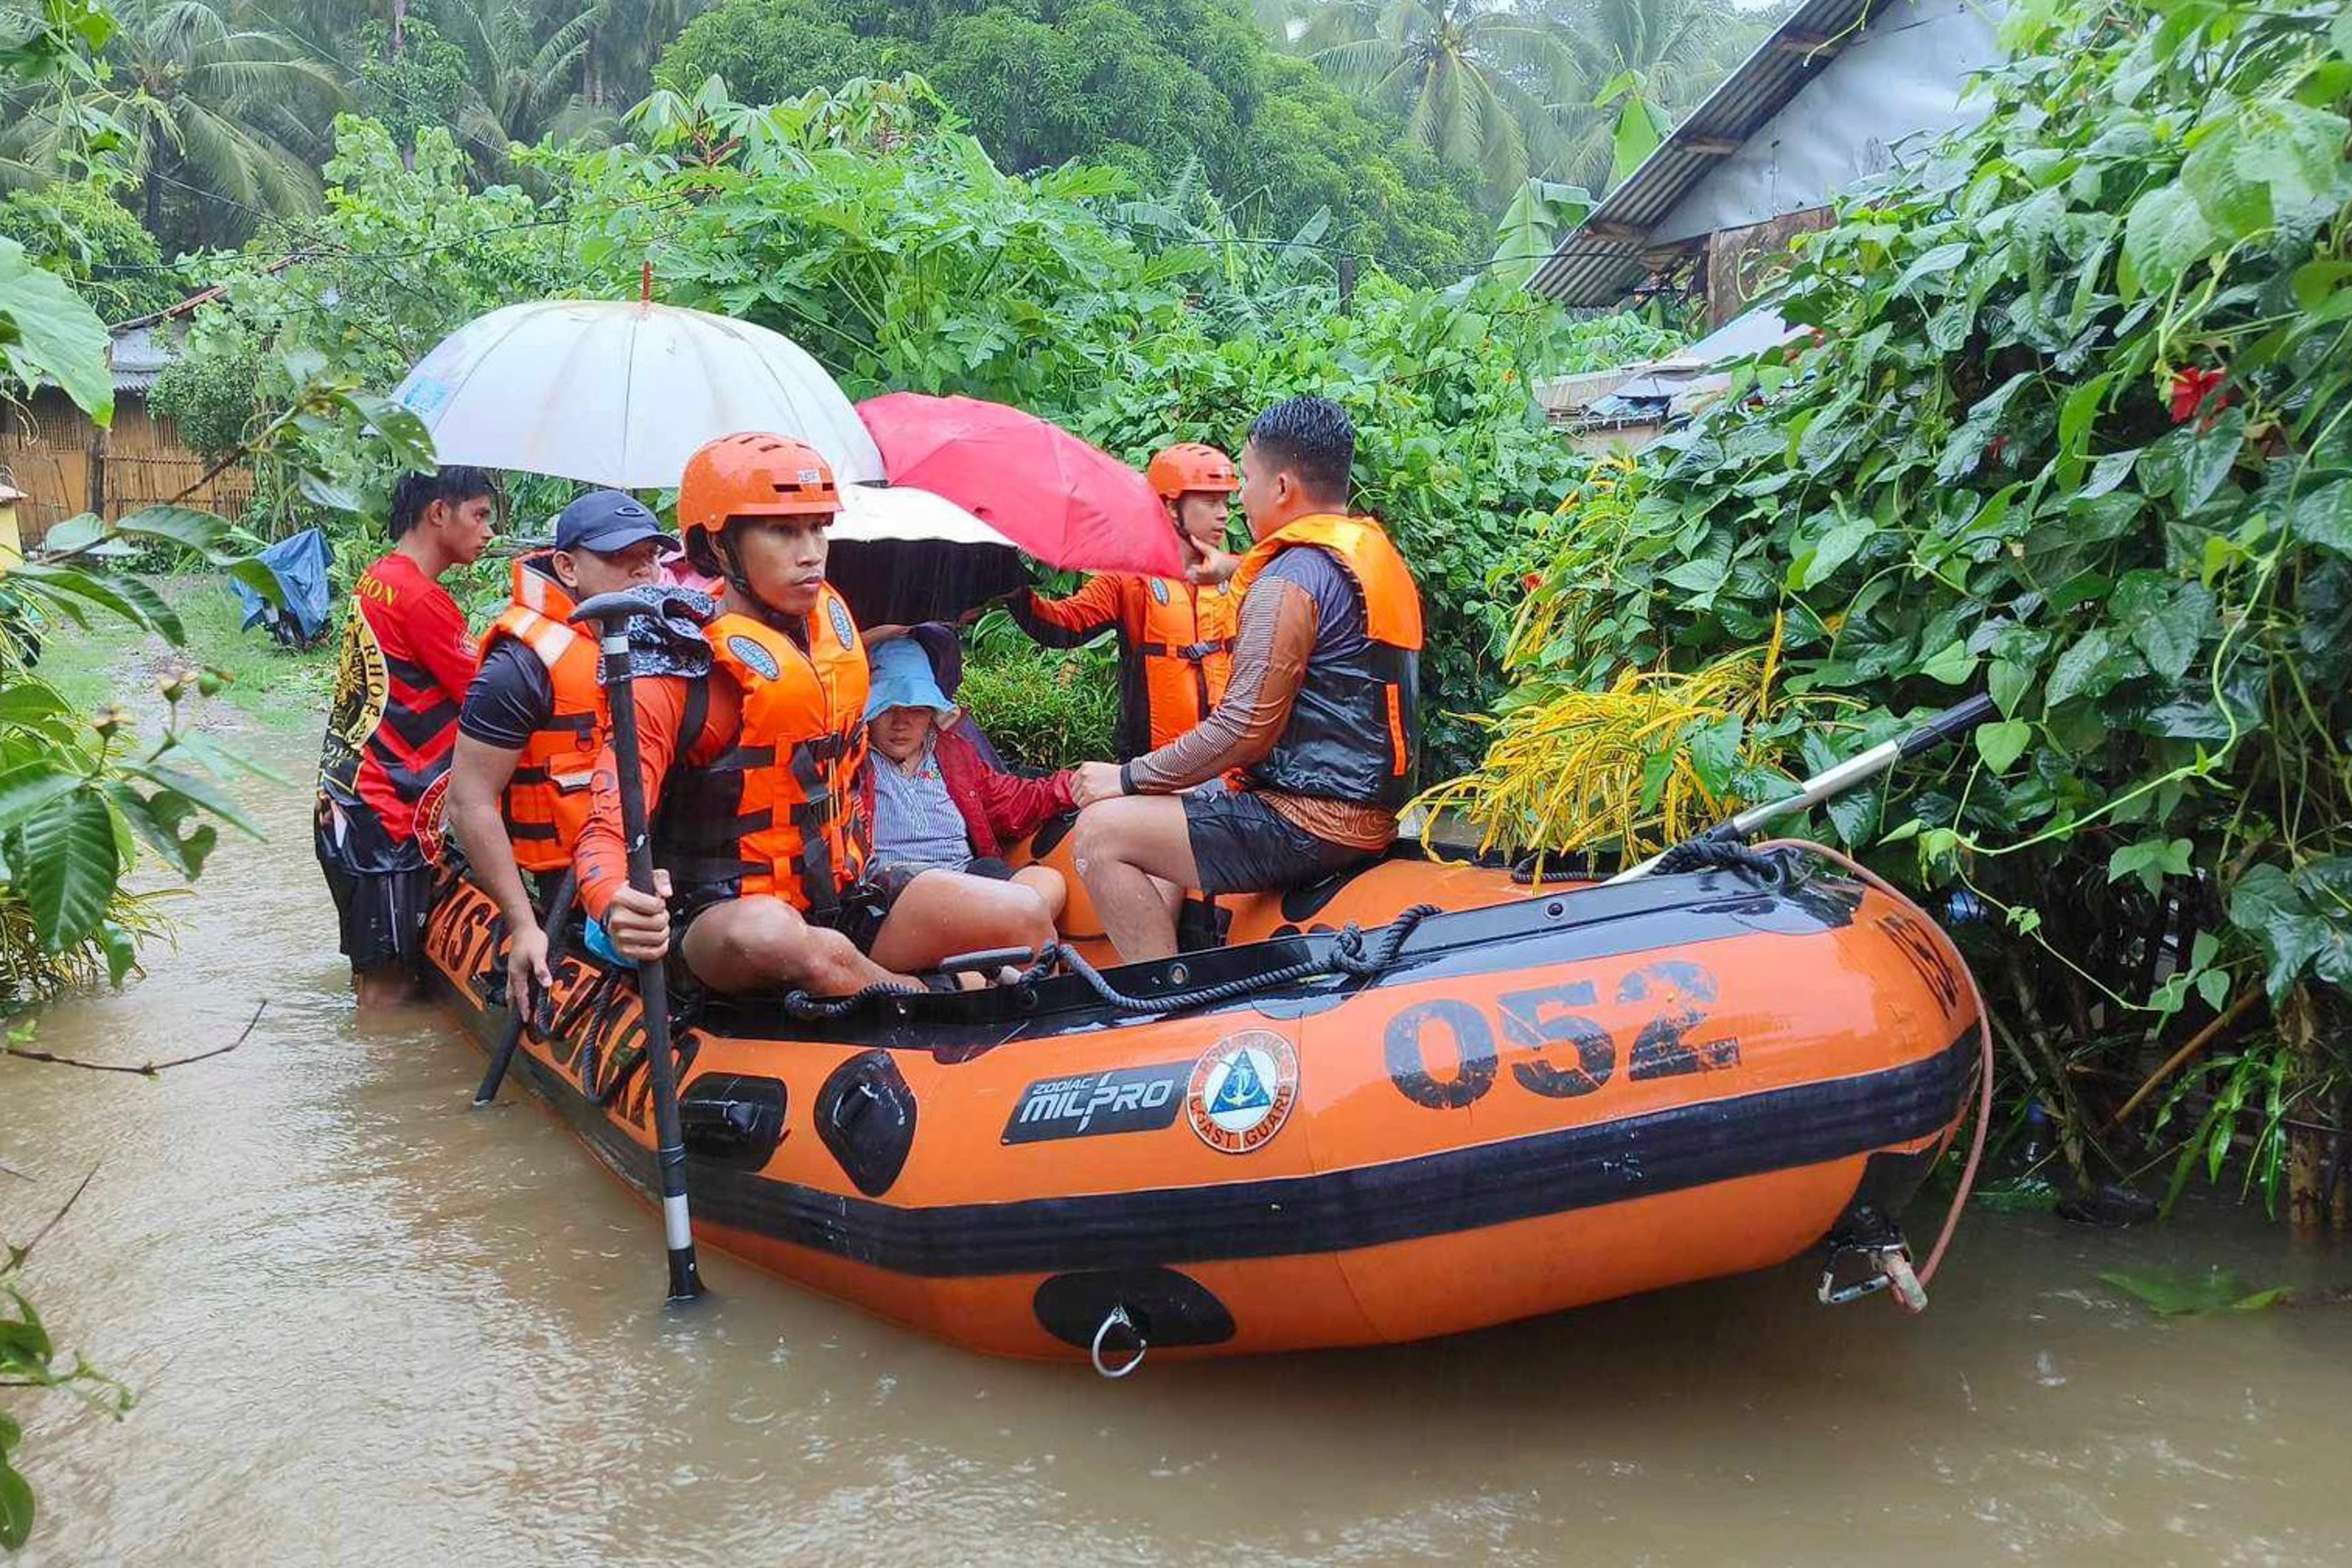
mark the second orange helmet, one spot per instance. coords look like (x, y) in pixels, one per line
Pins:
(1192, 466)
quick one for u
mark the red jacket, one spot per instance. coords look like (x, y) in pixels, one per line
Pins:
(998, 809)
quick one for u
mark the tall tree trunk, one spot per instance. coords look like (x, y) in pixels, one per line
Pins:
(399, 25)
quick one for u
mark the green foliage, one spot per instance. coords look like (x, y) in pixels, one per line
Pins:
(2219, 1291)
(48, 333)
(419, 86)
(78, 231)
(1041, 709)
(1451, 451)
(2069, 422)
(1531, 227)
(1148, 86)
(292, 363)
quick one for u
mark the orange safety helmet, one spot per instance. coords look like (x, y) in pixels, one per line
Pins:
(1180, 470)
(751, 475)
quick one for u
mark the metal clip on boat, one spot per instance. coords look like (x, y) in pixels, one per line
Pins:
(1118, 1319)
(1885, 1265)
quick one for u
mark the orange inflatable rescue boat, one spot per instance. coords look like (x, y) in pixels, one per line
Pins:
(1356, 1118)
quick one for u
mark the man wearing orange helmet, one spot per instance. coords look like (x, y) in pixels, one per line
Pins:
(1175, 637)
(751, 771)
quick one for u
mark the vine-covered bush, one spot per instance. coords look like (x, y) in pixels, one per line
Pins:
(2068, 423)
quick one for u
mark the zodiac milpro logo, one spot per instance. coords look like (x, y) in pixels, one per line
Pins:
(1242, 1091)
(1090, 1105)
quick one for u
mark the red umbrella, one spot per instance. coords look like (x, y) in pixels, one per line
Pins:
(1061, 500)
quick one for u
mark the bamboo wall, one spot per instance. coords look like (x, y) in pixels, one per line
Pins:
(60, 461)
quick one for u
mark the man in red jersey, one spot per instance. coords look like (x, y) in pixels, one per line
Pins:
(407, 663)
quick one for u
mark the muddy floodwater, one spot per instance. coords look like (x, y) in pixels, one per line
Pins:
(370, 1324)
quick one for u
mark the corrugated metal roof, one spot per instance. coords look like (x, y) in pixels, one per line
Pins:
(1596, 262)
(137, 355)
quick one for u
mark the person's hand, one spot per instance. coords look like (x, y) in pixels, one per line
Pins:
(527, 965)
(1002, 601)
(1206, 564)
(639, 923)
(878, 635)
(1093, 782)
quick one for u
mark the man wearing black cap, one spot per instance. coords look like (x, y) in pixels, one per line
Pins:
(535, 718)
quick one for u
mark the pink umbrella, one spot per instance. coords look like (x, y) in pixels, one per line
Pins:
(1059, 500)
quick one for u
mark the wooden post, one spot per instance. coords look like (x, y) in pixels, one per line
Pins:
(95, 482)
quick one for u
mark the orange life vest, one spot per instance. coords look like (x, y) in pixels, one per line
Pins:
(1355, 729)
(1184, 641)
(779, 813)
(1175, 647)
(546, 802)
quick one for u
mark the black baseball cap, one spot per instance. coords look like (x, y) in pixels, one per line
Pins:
(605, 521)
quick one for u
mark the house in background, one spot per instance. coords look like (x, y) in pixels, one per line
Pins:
(65, 464)
(1842, 91)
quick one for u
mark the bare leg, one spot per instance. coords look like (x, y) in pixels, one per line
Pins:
(1126, 850)
(1047, 884)
(390, 986)
(761, 944)
(944, 913)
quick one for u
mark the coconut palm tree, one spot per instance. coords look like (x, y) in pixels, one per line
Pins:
(1471, 76)
(212, 112)
(1646, 59)
(527, 64)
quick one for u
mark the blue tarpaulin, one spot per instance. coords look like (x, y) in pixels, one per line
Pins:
(300, 564)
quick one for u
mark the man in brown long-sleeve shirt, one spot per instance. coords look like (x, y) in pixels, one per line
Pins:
(1320, 718)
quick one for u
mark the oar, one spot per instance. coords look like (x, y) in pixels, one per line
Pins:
(1947, 726)
(559, 915)
(613, 612)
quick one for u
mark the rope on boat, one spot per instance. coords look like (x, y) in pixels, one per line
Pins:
(800, 1005)
(1348, 954)
(1725, 854)
(1984, 1070)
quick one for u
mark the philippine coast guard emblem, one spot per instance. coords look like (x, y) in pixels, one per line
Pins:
(1242, 1091)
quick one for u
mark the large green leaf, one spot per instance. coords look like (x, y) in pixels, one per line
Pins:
(183, 525)
(2219, 1291)
(29, 786)
(2166, 233)
(70, 867)
(15, 1508)
(48, 332)
(2323, 516)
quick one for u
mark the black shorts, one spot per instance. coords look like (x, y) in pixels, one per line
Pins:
(382, 916)
(1241, 844)
(864, 906)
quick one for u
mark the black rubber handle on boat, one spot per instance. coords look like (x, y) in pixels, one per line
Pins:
(614, 611)
(1947, 726)
(990, 961)
(519, 1008)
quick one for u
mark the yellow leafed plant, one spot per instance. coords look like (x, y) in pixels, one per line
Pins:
(1648, 762)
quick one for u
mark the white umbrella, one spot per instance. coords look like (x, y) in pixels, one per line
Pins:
(621, 392)
(903, 512)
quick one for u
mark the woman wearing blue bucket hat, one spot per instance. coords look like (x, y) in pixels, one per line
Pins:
(934, 800)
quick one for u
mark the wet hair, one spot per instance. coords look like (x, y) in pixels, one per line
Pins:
(413, 493)
(1314, 439)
